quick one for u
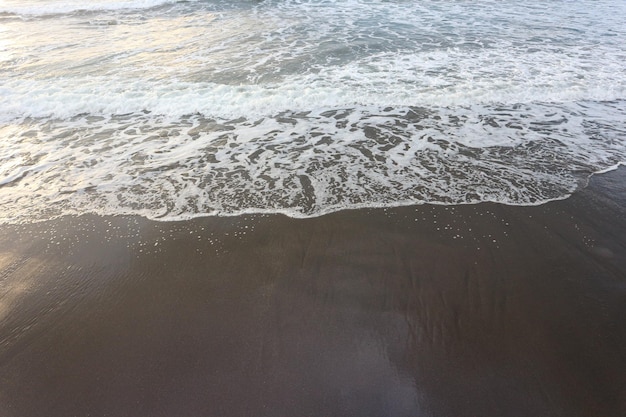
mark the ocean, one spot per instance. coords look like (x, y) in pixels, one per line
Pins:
(178, 109)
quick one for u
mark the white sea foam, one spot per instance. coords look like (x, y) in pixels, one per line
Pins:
(306, 164)
(299, 57)
(389, 80)
(305, 107)
(39, 8)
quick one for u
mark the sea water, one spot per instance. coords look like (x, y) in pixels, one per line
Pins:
(177, 109)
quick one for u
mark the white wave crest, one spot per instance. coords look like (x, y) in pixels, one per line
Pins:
(35, 8)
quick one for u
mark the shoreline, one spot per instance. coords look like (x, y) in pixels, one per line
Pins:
(427, 310)
(249, 213)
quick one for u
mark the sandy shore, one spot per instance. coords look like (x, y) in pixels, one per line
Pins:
(483, 310)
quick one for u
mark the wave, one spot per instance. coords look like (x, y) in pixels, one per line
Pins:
(106, 97)
(304, 108)
(305, 164)
(33, 8)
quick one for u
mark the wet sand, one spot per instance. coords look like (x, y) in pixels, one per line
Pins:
(483, 310)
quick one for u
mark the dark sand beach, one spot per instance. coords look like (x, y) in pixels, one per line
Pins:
(477, 310)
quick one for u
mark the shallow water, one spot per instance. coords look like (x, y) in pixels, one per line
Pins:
(174, 110)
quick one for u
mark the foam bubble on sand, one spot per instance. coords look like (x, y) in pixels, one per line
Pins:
(306, 164)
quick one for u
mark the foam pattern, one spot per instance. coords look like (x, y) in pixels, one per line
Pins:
(306, 164)
(177, 109)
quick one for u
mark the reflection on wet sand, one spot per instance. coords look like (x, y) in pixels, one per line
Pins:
(417, 311)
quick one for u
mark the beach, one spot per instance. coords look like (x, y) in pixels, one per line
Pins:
(428, 310)
(312, 208)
